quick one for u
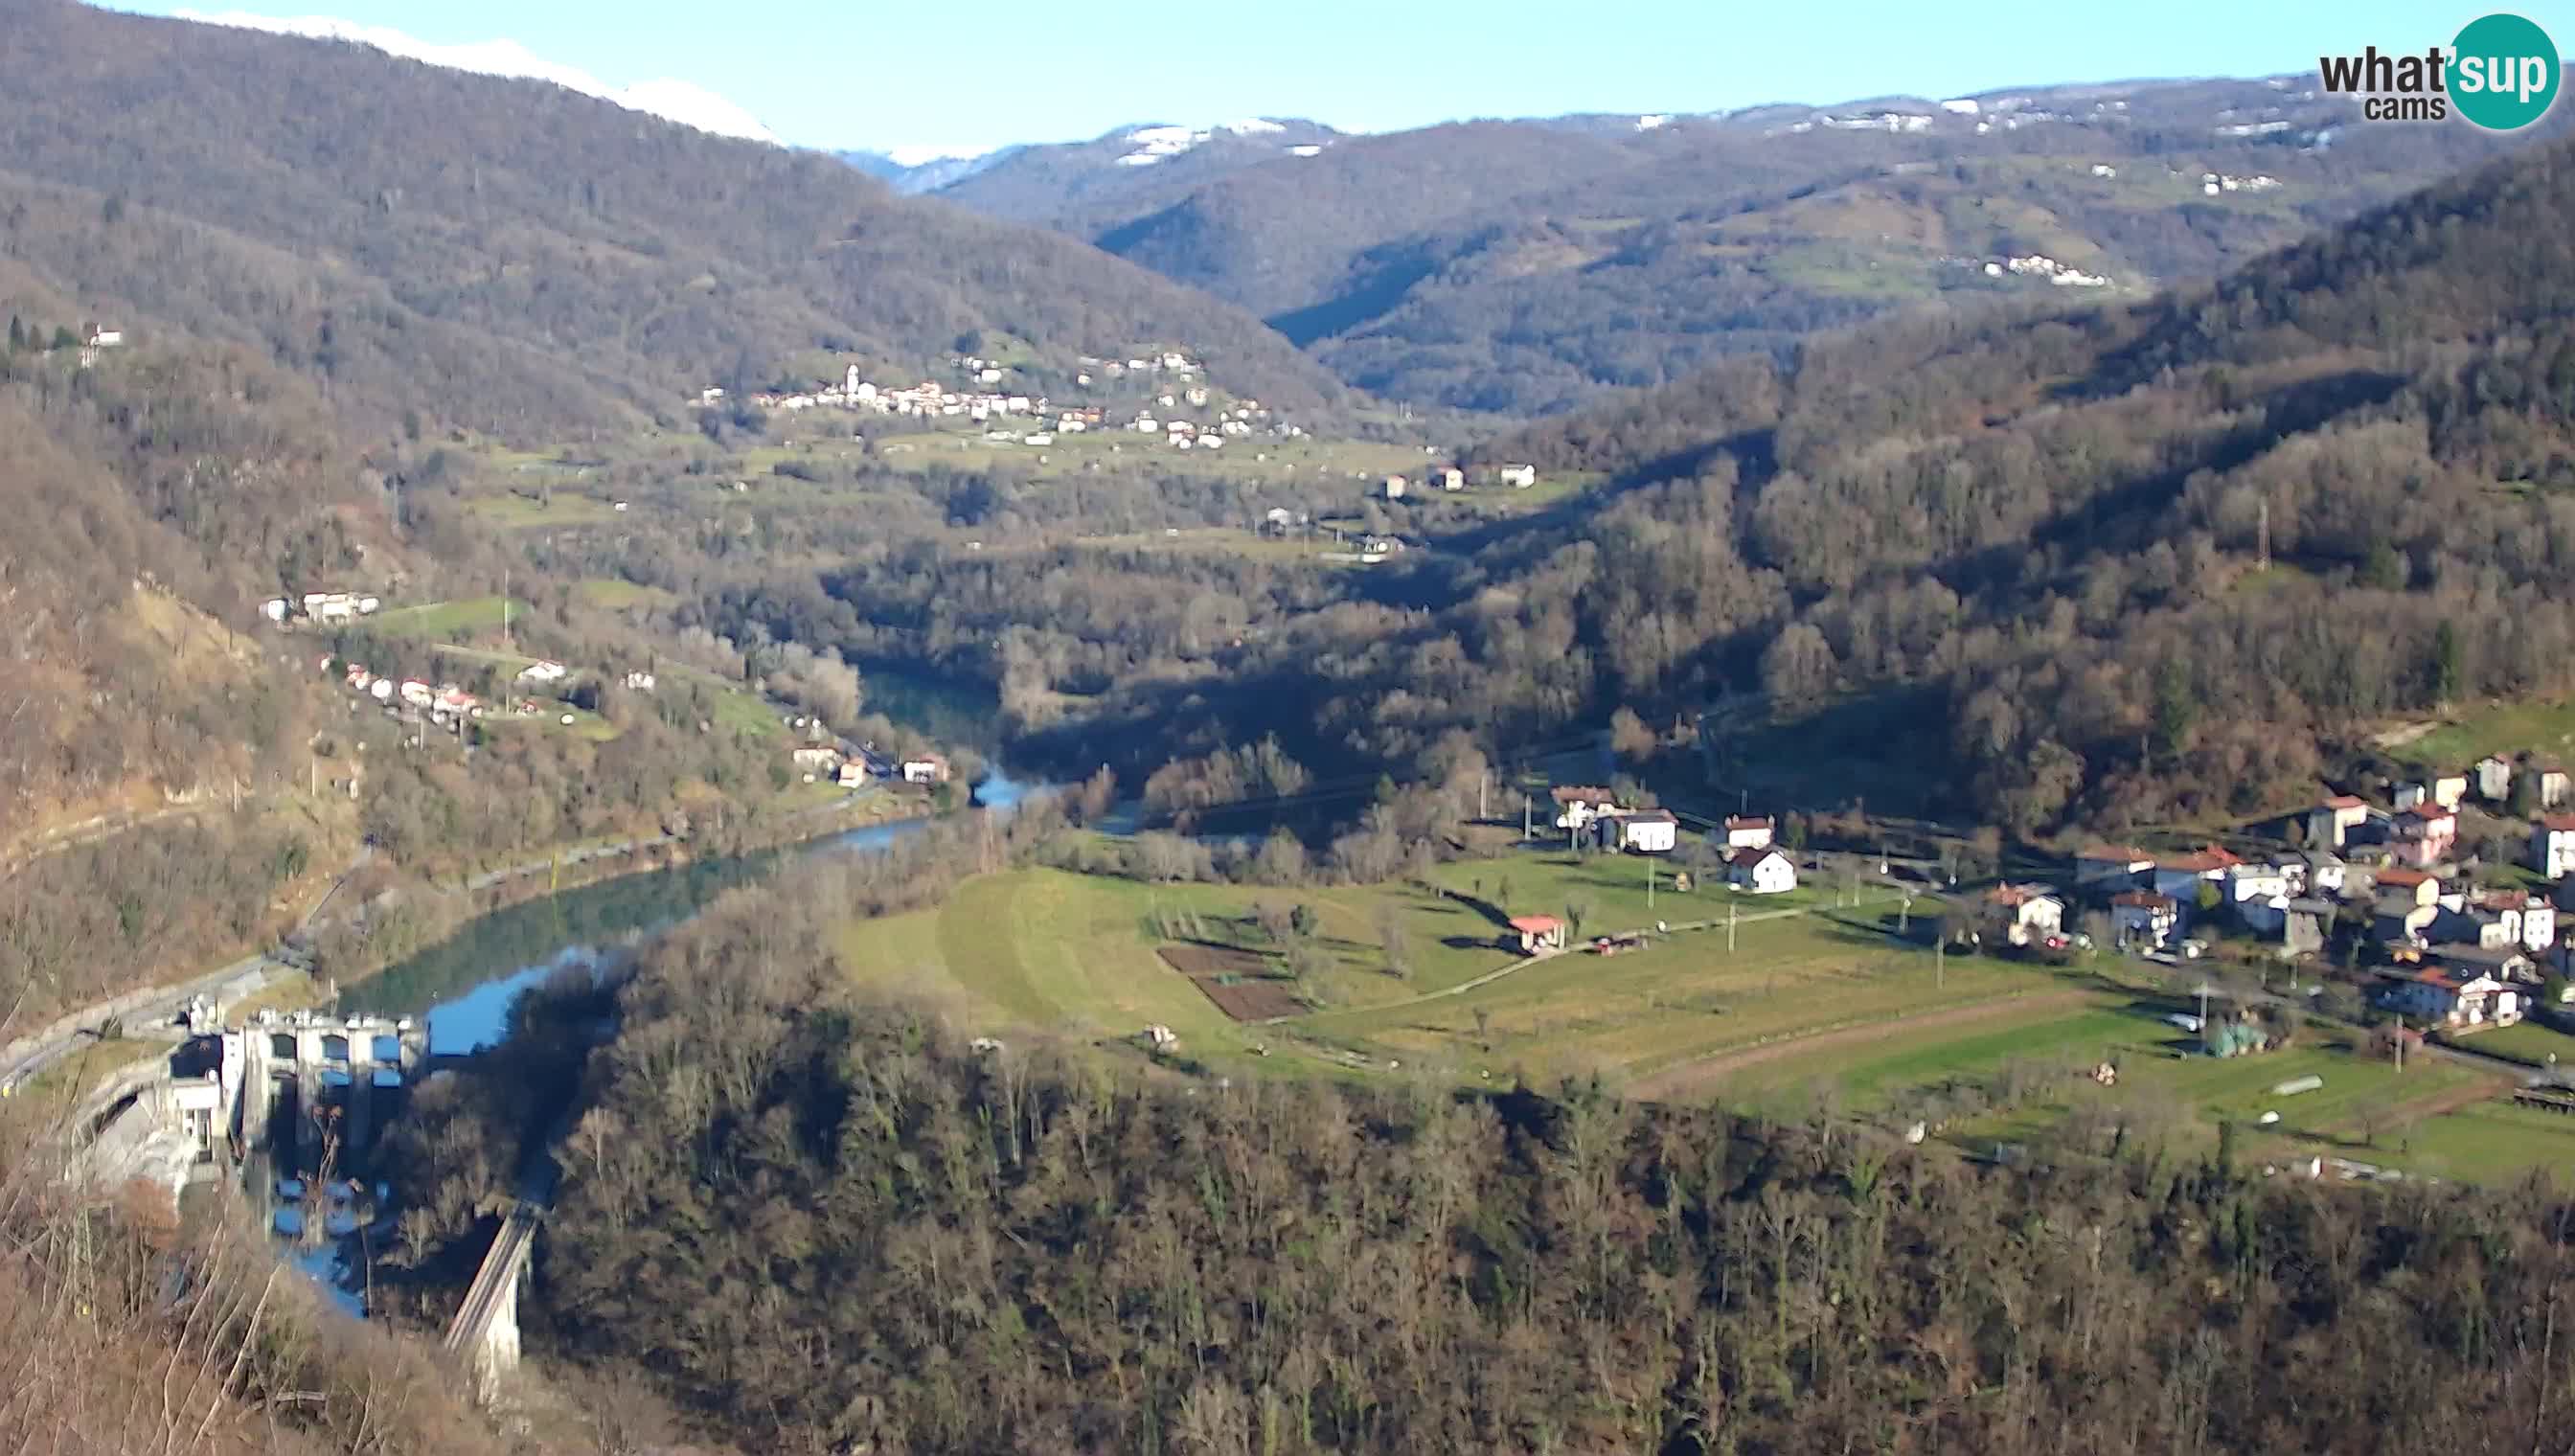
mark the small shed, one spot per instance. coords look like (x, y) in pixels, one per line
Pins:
(1539, 933)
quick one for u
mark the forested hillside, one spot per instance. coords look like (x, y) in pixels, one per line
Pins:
(2146, 554)
(1528, 267)
(2025, 547)
(807, 1213)
(507, 255)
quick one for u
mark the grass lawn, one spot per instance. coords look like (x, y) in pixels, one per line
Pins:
(1823, 1000)
(2490, 1142)
(616, 595)
(2526, 1041)
(1060, 953)
(461, 618)
(2501, 727)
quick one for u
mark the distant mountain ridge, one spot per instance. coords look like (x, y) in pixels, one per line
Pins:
(1528, 266)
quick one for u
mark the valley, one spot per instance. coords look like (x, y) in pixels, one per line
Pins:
(1881, 773)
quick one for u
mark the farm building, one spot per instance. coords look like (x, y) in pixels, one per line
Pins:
(1761, 871)
(1537, 934)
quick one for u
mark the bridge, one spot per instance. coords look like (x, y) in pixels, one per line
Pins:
(484, 1333)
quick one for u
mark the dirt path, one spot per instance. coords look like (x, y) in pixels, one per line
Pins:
(1695, 1078)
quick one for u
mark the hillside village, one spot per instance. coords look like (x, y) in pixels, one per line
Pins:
(1172, 383)
(2404, 904)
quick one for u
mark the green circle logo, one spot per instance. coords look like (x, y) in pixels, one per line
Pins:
(2503, 72)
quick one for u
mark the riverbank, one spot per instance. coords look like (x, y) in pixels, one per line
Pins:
(429, 920)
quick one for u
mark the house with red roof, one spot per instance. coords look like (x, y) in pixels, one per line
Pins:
(2141, 919)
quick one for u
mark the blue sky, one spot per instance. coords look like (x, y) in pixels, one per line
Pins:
(874, 73)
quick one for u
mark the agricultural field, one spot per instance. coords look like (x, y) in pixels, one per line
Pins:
(462, 618)
(2548, 728)
(610, 594)
(1815, 1005)
(1358, 464)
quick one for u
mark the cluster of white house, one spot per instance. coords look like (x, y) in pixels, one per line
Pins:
(1453, 478)
(1745, 844)
(1035, 419)
(2039, 265)
(320, 607)
(825, 757)
(2451, 953)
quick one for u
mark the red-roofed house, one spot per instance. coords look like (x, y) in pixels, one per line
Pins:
(1577, 805)
(2142, 918)
(2424, 835)
(2413, 886)
(2020, 913)
(2181, 875)
(1762, 872)
(1539, 933)
(2108, 863)
(1748, 832)
(2450, 998)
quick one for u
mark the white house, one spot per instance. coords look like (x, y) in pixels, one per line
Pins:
(1748, 832)
(2552, 846)
(2425, 834)
(926, 769)
(2493, 776)
(2020, 913)
(2330, 824)
(2453, 1000)
(2143, 917)
(2411, 793)
(818, 760)
(1447, 478)
(1761, 871)
(2449, 790)
(1577, 805)
(854, 773)
(543, 673)
(1394, 488)
(1518, 476)
(2261, 883)
(1648, 831)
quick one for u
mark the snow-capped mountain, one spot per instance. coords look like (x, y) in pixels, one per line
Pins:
(673, 100)
(912, 170)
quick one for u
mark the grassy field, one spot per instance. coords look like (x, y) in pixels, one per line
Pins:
(2527, 1041)
(2504, 728)
(1356, 463)
(461, 618)
(616, 595)
(1818, 1003)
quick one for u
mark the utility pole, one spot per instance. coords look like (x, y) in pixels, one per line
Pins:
(1650, 884)
(1525, 816)
(1729, 925)
(506, 640)
(1484, 781)
(2263, 531)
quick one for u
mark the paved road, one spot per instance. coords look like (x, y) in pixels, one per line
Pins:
(163, 1003)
